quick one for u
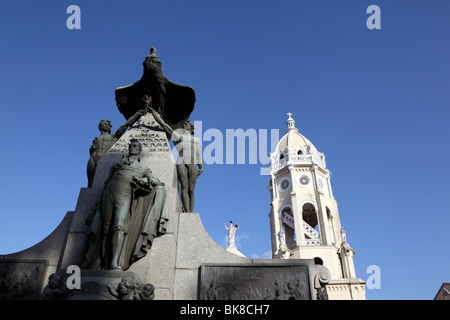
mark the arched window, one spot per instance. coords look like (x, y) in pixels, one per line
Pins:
(318, 261)
(299, 151)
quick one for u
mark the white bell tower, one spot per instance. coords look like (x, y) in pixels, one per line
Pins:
(304, 218)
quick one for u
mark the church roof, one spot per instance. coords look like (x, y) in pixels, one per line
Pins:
(293, 146)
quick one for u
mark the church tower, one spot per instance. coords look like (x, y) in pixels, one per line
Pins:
(304, 217)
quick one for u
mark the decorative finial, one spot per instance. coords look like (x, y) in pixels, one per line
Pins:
(290, 123)
(153, 51)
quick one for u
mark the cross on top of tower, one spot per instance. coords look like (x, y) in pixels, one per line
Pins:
(290, 123)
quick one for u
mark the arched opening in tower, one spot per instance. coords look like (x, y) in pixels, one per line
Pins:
(310, 215)
(310, 225)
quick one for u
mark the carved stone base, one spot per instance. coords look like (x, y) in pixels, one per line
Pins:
(22, 279)
(269, 280)
(94, 285)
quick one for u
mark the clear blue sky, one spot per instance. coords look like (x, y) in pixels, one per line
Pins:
(376, 102)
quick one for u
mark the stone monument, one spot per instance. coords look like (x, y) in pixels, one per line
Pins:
(134, 235)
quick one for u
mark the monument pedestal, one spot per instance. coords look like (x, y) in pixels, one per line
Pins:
(194, 248)
(157, 267)
(94, 284)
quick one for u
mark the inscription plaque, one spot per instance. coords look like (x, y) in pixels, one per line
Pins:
(149, 133)
(255, 282)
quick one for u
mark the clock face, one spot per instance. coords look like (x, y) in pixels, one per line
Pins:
(303, 180)
(285, 184)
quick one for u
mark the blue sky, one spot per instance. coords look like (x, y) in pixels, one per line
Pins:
(376, 102)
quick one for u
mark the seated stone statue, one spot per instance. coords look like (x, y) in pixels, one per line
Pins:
(132, 212)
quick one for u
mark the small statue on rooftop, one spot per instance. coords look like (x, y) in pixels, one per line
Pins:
(231, 233)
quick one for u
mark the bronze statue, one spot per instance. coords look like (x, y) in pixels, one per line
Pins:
(174, 102)
(189, 158)
(104, 142)
(132, 212)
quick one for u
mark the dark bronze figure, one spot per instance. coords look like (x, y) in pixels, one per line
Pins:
(132, 212)
(104, 142)
(174, 102)
(189, 158)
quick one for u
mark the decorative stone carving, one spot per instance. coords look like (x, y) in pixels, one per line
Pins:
(131, 288)
(56, 287)
(21, 279)
(343, 235)
(264, 281)
(321, 278)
